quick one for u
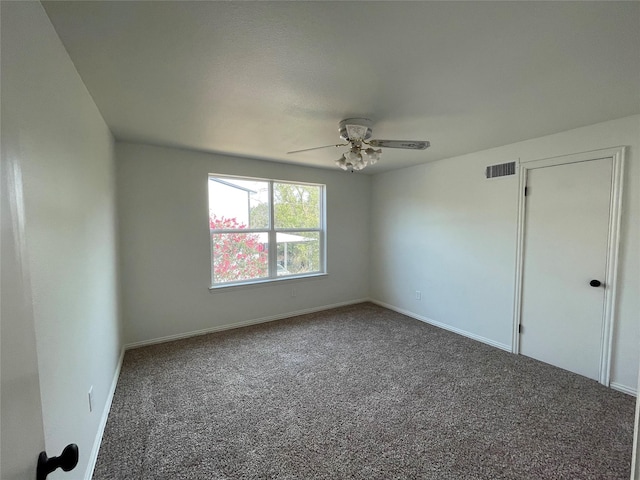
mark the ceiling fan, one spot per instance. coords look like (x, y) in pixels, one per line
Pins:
(357, 132)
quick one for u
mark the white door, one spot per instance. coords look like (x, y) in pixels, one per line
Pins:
(565, 248)
(22, 433)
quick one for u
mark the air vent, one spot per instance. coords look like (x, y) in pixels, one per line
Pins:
(501, 170)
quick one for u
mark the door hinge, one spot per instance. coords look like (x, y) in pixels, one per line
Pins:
(526, 191)
(520, 329)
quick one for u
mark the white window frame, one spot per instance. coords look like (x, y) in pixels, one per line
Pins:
(272, 235)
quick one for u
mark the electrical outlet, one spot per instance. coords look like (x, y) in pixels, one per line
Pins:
(90, 395)
(418, 295)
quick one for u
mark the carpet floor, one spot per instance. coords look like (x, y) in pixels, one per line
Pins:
(357, 392)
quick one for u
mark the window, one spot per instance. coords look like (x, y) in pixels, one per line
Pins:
(264, 230)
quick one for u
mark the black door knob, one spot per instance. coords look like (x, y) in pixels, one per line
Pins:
(595, 283)
(66, 461)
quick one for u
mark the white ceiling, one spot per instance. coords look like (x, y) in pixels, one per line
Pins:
(258, 79)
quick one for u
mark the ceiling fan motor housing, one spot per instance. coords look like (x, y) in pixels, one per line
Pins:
(355, 129)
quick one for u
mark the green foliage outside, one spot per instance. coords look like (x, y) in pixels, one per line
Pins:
(295, 206)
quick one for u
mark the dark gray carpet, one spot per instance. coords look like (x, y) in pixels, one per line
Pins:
(357, 392)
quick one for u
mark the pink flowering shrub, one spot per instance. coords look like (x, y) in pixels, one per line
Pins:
(236, 256)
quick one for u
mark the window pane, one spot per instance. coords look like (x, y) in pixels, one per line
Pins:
(296, 206)
(239, 256)
(238, 204)
(298, 252)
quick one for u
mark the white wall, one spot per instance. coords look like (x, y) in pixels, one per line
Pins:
(443, 229)
(164, 243)
(22, 432)
(50, 122)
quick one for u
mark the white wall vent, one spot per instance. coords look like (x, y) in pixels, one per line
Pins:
(501, 170)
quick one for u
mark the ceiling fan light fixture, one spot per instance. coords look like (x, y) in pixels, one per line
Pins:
(342, 163)
(373, 155)
(353, 155)
(357, 159)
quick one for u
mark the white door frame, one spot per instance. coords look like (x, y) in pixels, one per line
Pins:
(613, 241)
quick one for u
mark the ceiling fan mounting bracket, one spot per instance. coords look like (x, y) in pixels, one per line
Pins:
(355, 129)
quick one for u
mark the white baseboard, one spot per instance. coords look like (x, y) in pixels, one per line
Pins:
(245, 323)
(615, 386)
(103, 420)
(444, 326)
(623, 388)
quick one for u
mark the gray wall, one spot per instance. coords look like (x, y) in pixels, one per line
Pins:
(164, 243)
(443, 229)
(53, 130)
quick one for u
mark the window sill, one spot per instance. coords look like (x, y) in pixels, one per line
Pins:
(266, 282)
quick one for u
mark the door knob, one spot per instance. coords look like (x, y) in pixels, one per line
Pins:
(66, 461)
(595, 283)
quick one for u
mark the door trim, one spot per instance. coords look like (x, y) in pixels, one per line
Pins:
(617, 154)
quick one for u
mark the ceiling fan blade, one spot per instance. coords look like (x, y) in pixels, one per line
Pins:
(318, 148)
(408, 144)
